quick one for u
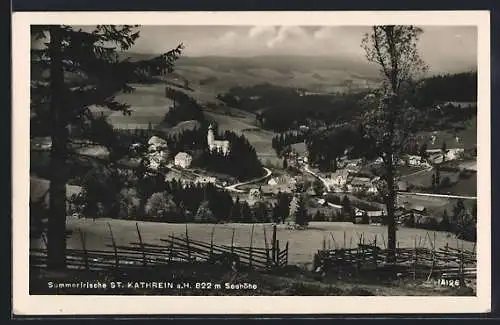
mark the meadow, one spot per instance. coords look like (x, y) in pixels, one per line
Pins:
(148, 104)
(303, 244)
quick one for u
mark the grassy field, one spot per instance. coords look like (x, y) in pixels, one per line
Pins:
(303, 244)
(148, 104)
(39, 187)
(467, 137)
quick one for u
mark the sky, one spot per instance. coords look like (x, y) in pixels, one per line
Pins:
(438, 45)
(443, 48)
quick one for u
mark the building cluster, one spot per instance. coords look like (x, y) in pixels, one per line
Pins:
(158, 155)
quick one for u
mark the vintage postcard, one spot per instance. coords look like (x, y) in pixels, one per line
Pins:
(251, 162)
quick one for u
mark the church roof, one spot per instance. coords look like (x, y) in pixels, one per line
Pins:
(182, 155)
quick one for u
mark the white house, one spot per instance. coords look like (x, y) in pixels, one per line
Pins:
(157, 144)
(451, 154)
(183, 160)
(414, 160)
(272, 182)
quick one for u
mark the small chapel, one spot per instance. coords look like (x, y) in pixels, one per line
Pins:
(214, 145)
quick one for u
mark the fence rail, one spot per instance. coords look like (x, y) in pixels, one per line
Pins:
(443, 262)
(174, 249)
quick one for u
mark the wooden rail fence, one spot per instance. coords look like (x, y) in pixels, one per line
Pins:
(173, 249)
(443, 262)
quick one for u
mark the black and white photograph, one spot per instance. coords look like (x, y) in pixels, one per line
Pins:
(285, 155)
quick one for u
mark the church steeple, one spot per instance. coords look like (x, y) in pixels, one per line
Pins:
(210, 135)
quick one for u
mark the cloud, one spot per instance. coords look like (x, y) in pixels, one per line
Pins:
(322, 33)
(262, 31)
(288, 33)
(228, 38)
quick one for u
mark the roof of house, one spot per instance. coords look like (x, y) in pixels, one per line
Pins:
(418, 207)
(154, 140)
(183, 155)
(375, 213)
(361, 181)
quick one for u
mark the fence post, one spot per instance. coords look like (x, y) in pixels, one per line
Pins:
(187, 244)
(251, 244)
(274, 244)
(286, 255)
(333, 239)
(461, 266)
(171, 253)
(415, 258)
(267, 246)
(84, 247)
(212, 241)
(117, 262)
(144, 262)
(278, 253)
(232, 243)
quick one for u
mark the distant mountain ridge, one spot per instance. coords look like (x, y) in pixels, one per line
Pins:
(313, 73)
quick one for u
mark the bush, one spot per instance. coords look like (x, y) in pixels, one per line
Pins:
(129, 204)
(160, 205)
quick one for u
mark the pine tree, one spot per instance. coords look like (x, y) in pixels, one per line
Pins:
(204, 214)
(297, 211)
(84, 70)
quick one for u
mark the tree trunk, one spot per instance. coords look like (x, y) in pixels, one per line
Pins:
(390, 204)
(56, 250)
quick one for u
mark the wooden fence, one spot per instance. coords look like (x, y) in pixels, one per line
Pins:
(429, 262)
(173, 249)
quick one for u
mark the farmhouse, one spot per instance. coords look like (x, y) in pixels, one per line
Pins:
(272, 182)
(451, 154)
(157, 144)
(414, 160)
(214, 145)
(403, 186)
(340, 179)
(376, 217)
(183, 160)
(359, 184)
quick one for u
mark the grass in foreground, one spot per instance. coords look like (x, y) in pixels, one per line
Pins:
(204, 279)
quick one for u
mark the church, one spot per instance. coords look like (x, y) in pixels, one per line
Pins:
(217, 145)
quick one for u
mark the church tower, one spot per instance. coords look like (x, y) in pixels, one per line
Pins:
(210, 136)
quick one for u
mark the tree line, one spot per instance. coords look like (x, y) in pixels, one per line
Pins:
(111, 194)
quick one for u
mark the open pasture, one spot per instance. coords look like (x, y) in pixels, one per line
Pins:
(148, 104)
(303, 244)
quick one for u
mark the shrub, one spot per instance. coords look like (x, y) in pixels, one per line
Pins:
(160, 205)
(129, 204)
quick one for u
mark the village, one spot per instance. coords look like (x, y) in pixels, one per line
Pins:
(326, 192)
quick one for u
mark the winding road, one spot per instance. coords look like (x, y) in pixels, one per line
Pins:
(234, 187)
(449, 196)
(325, 183)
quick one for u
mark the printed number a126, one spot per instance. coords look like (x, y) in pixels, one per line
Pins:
(449, 283)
